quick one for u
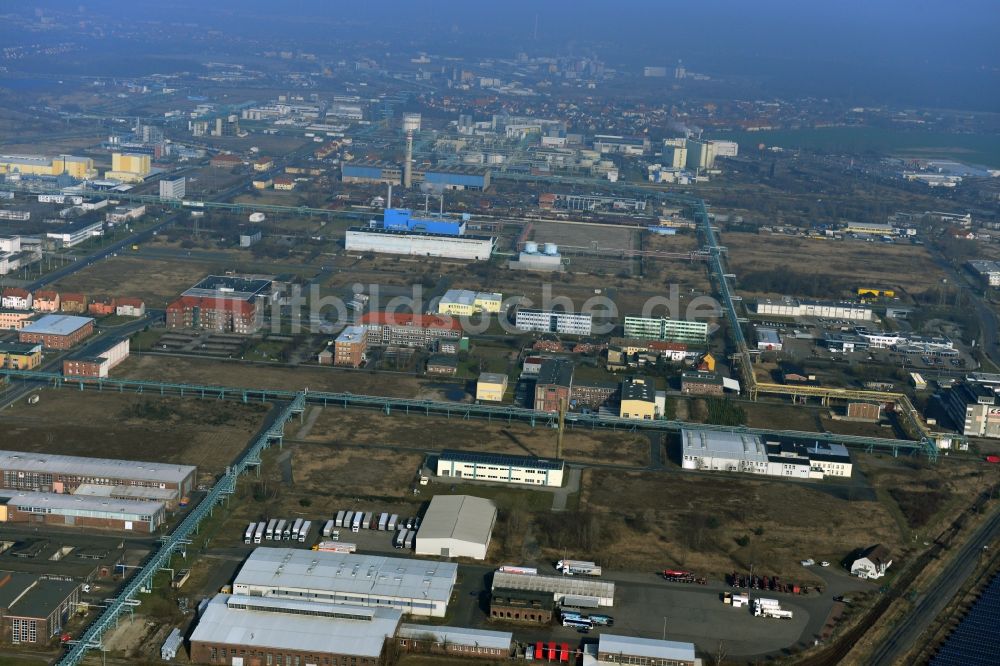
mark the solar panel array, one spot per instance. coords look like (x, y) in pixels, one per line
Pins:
(973, 642)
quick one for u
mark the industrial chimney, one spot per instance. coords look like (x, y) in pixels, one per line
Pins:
(408, 164)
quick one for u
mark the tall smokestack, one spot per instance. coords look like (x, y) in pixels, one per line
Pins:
(408, 165)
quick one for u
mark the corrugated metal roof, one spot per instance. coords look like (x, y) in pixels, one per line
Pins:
(460, 517)
(458, 635)
(646, 647)
(287, 568)
(94, 467)
(56, 324)
(260, 622)
(571, 585)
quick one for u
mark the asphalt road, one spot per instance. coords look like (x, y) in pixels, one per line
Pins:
(930, 604)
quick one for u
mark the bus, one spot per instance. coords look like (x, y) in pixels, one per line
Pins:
(577, 623)
(258, 534)
(248, 535)
(602, 620)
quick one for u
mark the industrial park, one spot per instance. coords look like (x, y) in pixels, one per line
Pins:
(375, 337)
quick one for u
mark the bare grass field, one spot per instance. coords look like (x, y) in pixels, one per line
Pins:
(840, 266)
(715, 523)
(230, 373)
(205, 433)
(153, 280)
(435, 433)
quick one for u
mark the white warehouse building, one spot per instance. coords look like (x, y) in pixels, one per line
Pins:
(420, 244)
(457, 526)
(791, 307)
(730, 451)
(412, 586)
(500, 468)
(549, 321)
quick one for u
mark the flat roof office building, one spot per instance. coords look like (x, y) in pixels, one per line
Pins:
(416, 587)
(548, 321)
(502, 468)
(661, 328)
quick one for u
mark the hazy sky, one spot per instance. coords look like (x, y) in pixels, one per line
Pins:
(900, 51)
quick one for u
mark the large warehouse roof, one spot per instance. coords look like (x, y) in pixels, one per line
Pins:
(459, 517)
(572, 585)
(56, 324)
(646, 647)
(305, 626)
(723, 444)
(123, 509)
(289, 568)
(499, 640)
(94, 467)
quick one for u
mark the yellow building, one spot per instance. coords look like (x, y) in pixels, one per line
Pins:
(638, 399)
(491, 387)
(129, 167)
(262, 183)
(17, 356)
(39, 165)
(463, 302)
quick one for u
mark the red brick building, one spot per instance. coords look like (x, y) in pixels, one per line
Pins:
(57, 331)
(225, 161)
(409, 330)
(216, 314)
(554, 385)
(32, 609)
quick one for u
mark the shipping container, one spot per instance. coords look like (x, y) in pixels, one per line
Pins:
(328, 528)
(410, 536)
(383, 520)
(393, 522)
(340, 518)
(400, 538)
(367, 522)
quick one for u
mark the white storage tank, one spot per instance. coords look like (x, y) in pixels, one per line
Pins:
(531, 247)
(411, 122)
(257, 217)
(551, 249)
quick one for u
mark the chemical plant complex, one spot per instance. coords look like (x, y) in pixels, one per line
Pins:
(365, 350)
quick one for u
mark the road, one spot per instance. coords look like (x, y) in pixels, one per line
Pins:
(990, 323)
(930, 604)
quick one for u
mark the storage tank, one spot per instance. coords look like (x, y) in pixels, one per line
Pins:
(411, 122)
(531, 247)
(551, 249)
(257, 217)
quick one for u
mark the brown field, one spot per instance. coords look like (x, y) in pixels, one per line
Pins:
(692, 521)
(156, 282)
(208, 434)
(222, 373)
(904, 267)
(433, 433)
(585, 235)
(334, 471)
